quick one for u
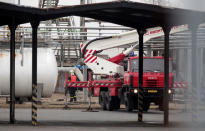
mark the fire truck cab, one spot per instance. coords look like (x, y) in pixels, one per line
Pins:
(153, 85)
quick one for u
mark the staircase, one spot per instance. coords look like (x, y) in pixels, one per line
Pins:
(68, 53)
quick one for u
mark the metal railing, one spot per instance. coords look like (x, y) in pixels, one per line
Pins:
(57, 35)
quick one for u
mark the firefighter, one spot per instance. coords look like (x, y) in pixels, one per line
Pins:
(72, 90)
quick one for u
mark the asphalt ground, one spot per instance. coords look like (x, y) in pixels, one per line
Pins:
(52, 117)
(79, 120)
(57, 101)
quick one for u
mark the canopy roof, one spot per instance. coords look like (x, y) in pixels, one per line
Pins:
(131, 14)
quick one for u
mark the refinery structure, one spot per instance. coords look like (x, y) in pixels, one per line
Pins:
(64, 35)
(102, 50)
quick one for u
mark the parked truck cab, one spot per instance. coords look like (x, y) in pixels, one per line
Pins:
(153, 82)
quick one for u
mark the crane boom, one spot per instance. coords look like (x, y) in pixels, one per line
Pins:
(102, 66)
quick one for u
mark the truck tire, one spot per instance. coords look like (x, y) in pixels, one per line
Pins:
(146, 106)
(161, 107)
(109, 102)
(116, 102)
(19, 100)
(128, 102)
(102, 100)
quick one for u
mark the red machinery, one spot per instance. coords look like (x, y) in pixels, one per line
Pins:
(116, 79)
(114, 90)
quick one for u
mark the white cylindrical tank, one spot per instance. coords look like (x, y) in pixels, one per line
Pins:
(46, 66)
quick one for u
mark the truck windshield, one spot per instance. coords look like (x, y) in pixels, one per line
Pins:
(150, 65)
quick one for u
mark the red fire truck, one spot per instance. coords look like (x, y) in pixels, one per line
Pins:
(115, 80)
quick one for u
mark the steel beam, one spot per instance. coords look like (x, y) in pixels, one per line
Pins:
(149, 51)
(62, 55)
(141, 33)
(12, 28)
(85, 78)
(194, 71)
(34, 25)
(166, 76)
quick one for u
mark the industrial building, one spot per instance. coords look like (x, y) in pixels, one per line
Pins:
(40, 45)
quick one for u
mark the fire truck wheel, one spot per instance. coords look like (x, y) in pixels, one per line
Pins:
(102, 100)
(109, 102)
(128, 102)
(19, 100)
(117, 102)
(146, 106)
(161, 107)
